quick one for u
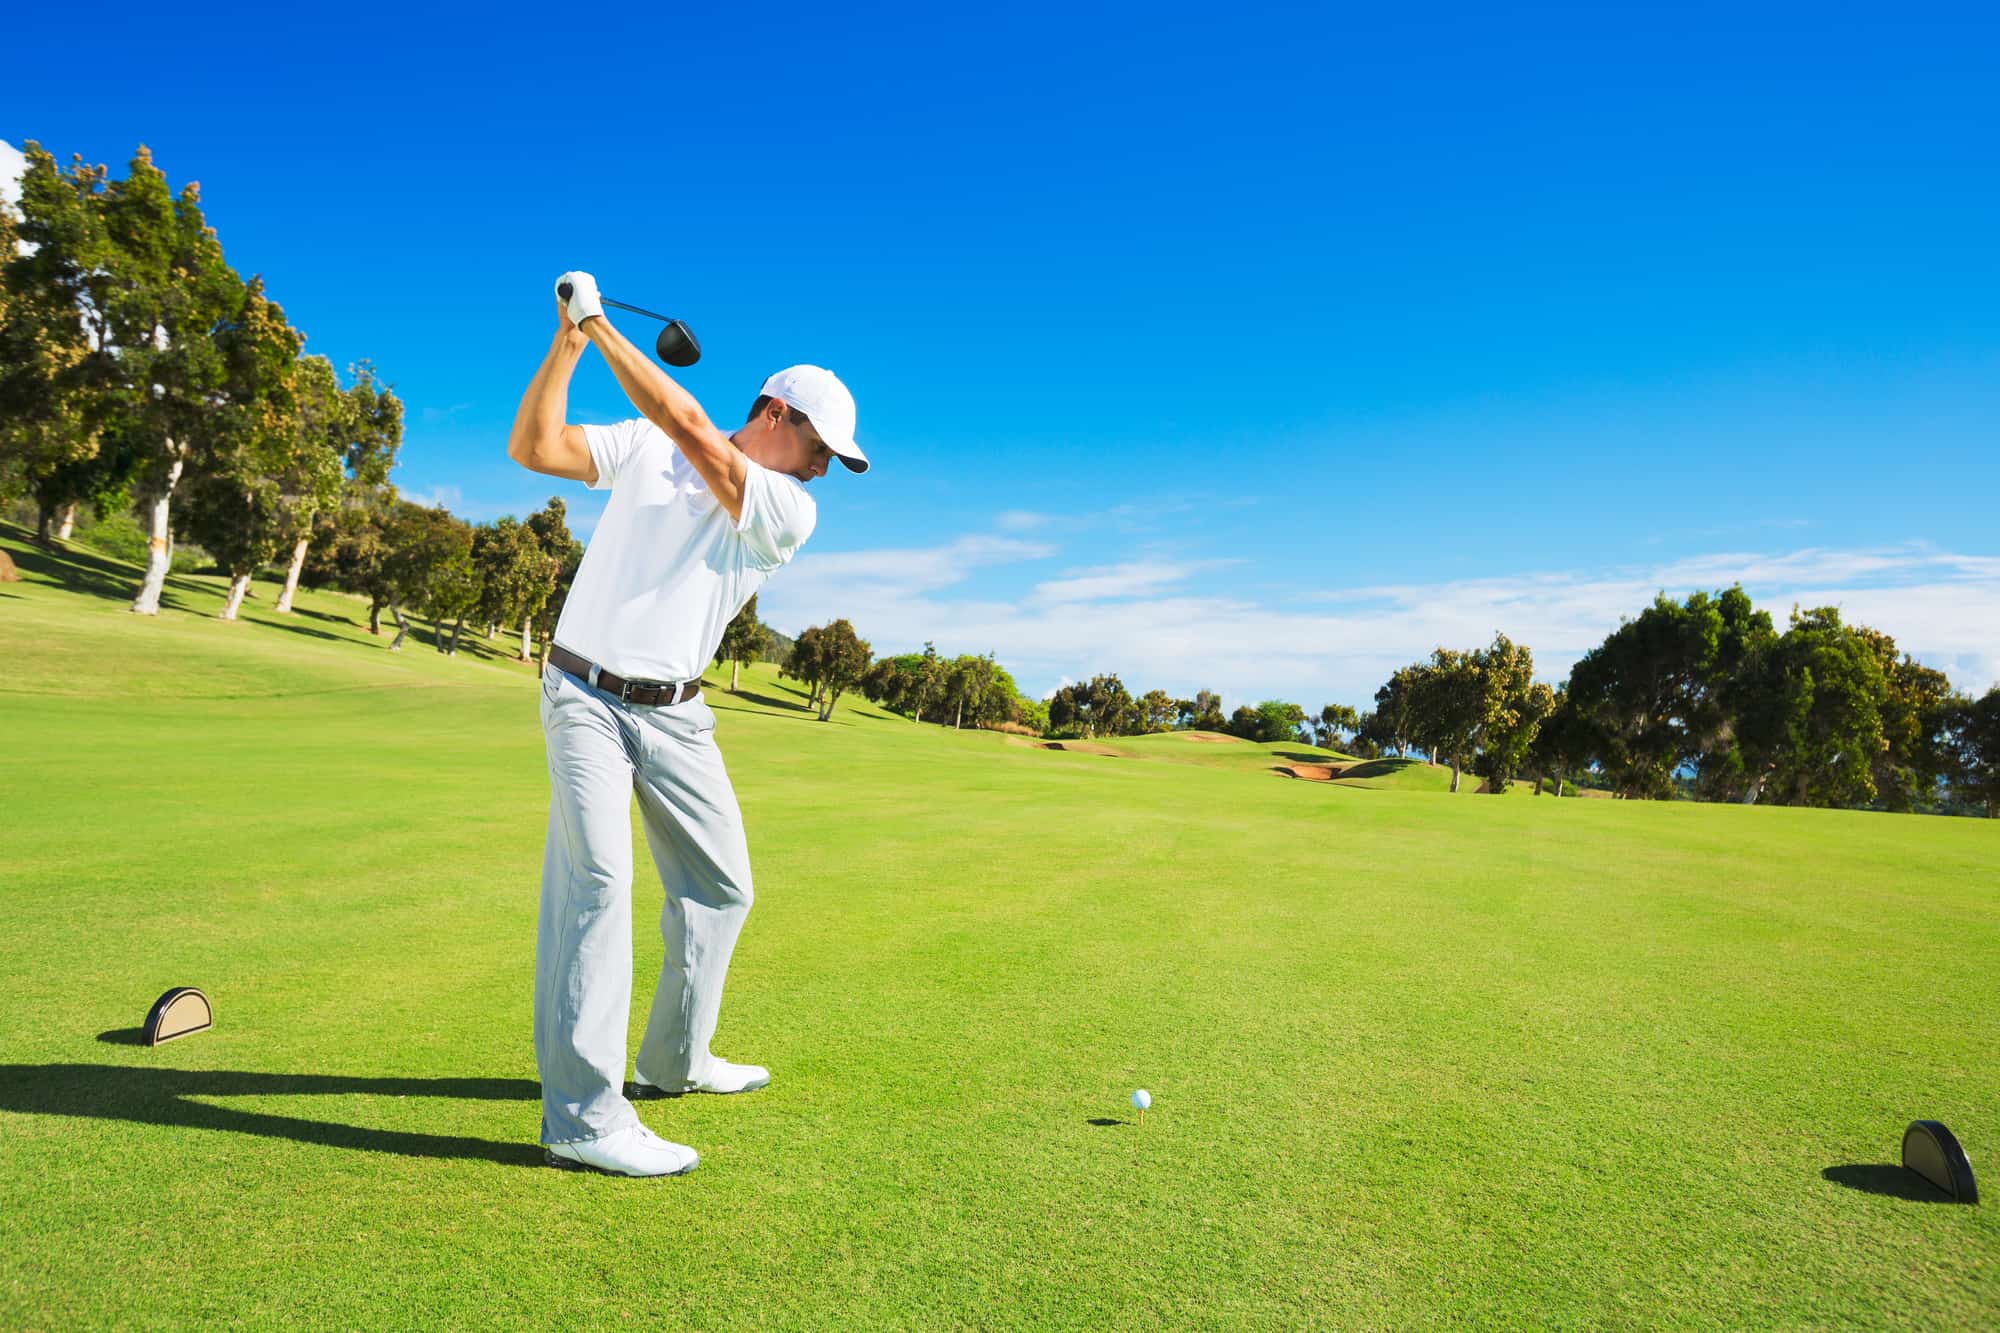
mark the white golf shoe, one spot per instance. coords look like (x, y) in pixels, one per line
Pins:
(635, 1151)
(719, 1076)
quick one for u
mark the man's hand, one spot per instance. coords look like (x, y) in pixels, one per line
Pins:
(583, 303)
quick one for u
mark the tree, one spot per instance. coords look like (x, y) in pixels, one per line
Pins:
(888, 681)
(1657, 690)
(550, 528)
(743, 641)
(1393, 726)
(1362, 743)
(1976, 731)
(928, 683)
(252, 439)
(1515, 707)
(427, 563)
(1100, 706)
(358, 429)
(807, 663)
(167, 296)
(1279, 721)
(1917, 709)
(1810, 720)
(1333, 720)
(969, 688)
(513, 573)
(1157, 711)
(56, 375)
(1201, 713)
(1563, 744)
(451, 589)
(844, 659)
(1449, 706)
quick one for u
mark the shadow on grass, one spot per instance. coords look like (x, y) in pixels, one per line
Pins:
(1106, 1120)
(163, 1097)
(791, 711)
(1895, 1182)
(1380, 768)
(80, 569)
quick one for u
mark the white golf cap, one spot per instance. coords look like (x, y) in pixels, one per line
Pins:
(819, 394)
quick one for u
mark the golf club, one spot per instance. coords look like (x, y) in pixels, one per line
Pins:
(676, 344)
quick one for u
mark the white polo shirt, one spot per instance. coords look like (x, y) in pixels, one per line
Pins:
(666, 570)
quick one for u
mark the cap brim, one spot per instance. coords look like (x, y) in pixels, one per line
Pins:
(856, 461)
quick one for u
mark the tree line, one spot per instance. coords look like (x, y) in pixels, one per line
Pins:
(1705, 699)
(1698, 699)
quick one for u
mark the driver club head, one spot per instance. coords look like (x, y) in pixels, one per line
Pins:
(676, 345)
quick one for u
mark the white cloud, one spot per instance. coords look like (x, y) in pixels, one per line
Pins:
(451, 497)
(13, 162)
(819, 584)
(1941, 607)
(1133, 579)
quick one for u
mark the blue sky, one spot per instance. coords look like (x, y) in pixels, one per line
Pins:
(1260, 349)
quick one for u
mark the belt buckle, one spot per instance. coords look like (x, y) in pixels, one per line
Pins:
(625, 691)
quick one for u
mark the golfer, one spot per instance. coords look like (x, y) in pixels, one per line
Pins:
(696, 522)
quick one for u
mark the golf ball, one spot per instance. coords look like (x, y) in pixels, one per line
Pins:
(1142, 1099)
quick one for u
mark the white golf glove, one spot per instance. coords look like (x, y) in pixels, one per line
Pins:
(583, 298)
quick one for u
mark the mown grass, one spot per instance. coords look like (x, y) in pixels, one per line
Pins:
(1504, 1062)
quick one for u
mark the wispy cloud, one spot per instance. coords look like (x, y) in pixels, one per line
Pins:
(451, 497)
(1134, 579)
(438, 416)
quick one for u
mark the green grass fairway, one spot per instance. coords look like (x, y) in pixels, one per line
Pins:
(1498, 1062)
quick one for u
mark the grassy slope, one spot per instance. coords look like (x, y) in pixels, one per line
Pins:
(1501, 1061)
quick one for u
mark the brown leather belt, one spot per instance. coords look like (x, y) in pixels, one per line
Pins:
(647, 692)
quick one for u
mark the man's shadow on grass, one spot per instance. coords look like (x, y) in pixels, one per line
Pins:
(164, 1097)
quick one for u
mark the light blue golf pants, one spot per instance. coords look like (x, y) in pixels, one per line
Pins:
(601, 752)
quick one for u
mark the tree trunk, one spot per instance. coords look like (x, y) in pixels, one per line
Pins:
(456, 626)
(43, 516)
(735, 673)
(958, 716)
(1454, 774)
(66, 521)
(292, 575)
(158, 551)
(237, 587)
(542, 660)
(826, 710)
(402, 625)
(526, 651)
(1756, 790)
(374, 616)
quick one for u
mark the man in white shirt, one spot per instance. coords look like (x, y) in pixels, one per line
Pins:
(696, 522)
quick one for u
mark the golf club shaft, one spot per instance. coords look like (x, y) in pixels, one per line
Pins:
(636, 310)
(564, 292)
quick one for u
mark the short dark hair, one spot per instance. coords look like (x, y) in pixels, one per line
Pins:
(792, 414)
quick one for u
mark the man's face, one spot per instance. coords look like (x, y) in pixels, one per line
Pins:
(806, 452)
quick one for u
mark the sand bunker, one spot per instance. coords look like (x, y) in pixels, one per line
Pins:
(1310, 772)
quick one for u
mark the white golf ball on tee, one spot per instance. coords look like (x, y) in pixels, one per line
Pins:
(1142, 1099)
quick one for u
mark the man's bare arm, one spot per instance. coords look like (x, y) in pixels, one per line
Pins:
(674, 410)
(540, 441)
